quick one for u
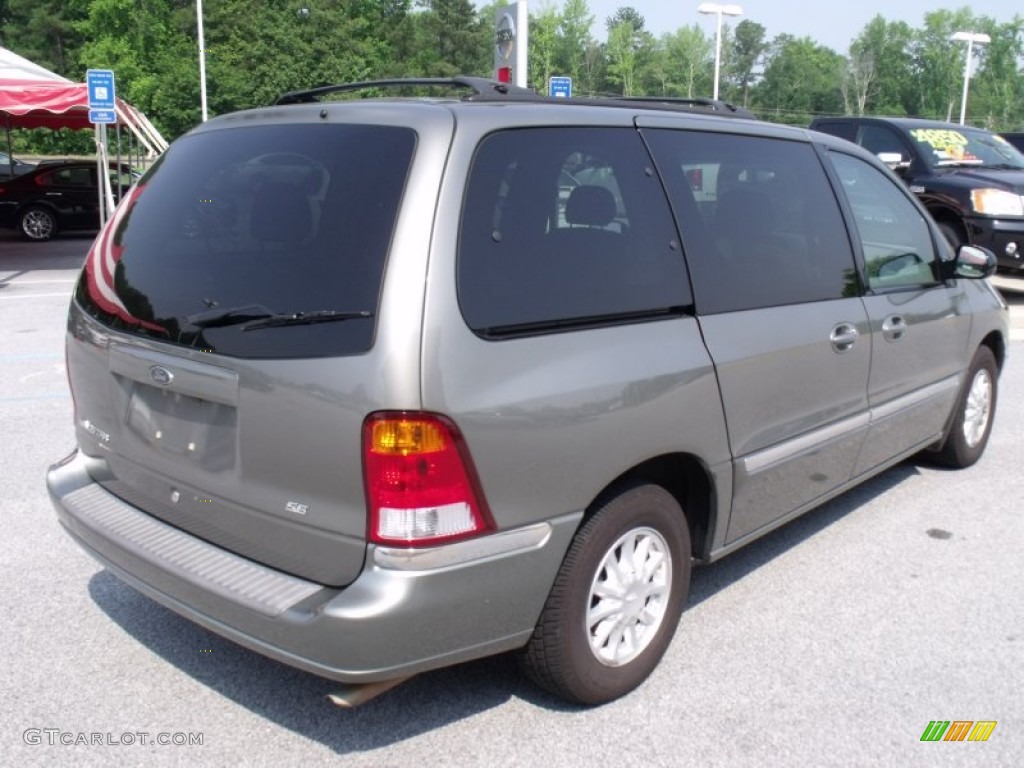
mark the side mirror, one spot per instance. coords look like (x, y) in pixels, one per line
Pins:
(895, 161)
(974, 262)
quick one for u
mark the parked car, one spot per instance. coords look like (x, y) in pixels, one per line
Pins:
(376, 387)
(1017, 139)
(11, 166)
(969, 179)
(55, 197)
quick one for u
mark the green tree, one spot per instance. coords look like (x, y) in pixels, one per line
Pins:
(878, 78)
(592, 69)
(938, 64)
(543, 48)
(801, 79)
(46, 32)
(452, 39)
(748, 47)
(997, 92)
(683, 56)
(574, 39)
(628, 50)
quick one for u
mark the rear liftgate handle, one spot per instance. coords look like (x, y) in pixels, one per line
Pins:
(843, 337)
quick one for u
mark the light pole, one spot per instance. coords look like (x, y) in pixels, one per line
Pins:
(971, 38)
(202, 57)
(718, 10)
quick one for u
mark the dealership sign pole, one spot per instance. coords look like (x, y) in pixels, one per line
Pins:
(511, 43)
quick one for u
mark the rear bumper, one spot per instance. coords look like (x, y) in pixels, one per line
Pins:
(407, 612)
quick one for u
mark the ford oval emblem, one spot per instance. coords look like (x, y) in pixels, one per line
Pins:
(161, 375)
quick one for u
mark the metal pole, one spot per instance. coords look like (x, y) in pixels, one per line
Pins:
(202, 58)
(117, 172)
(522, 43)
(967, 78)
(100, 137)
(718, 50)
(10, 155)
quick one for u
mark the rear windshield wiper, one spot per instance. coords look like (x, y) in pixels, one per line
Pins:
(303, 318)
(217, 318)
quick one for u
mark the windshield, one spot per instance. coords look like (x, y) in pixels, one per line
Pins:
(288, 225)
(966, 147)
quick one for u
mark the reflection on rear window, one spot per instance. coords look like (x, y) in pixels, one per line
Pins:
(266, 222)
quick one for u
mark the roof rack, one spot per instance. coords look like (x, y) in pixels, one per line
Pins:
(715, 105)
(482, 89)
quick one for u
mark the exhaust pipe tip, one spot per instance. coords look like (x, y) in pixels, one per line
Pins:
(356, 694)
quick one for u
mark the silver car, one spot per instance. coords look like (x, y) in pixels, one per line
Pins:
(375, 387)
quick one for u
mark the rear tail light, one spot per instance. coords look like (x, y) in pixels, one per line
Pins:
(421, 487)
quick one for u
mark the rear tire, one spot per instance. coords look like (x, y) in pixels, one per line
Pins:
(616, 601)
(38, 224)
(972, 420)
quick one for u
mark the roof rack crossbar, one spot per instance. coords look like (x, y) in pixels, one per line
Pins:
(480, 86)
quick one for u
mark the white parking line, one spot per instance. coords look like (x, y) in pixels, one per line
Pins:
(65, 294)
(6, 281)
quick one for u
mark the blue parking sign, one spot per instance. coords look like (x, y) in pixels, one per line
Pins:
(100, 84)
(560, 87)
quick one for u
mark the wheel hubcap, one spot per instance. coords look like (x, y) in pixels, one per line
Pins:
(978, 408)
(37, 225)
(628, 596)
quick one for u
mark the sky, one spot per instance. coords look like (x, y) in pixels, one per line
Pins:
(828, 22)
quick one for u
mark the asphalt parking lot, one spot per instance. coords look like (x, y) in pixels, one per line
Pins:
(833, 641)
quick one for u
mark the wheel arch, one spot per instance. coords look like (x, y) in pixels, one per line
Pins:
(45, 204)
(689, 482)
(944, 215)
(997, 344)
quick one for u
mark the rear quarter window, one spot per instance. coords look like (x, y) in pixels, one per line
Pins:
(237, 224)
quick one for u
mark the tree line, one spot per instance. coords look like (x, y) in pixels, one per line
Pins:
(258, 49)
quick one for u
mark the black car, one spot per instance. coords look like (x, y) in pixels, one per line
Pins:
(12, 166)
(52, 198)
(969, 179)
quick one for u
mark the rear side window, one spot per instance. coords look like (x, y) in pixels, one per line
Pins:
(67, 177)
(259, 242)
(759, 220)
(879, 139)
(564, 228)
(844, 130)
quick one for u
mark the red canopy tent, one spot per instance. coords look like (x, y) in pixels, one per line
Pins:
(32, 96)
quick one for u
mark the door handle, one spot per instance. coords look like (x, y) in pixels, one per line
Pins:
(893, 327)
(843, 337)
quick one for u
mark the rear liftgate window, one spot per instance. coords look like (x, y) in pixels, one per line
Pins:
(261, 242)
(566, 228)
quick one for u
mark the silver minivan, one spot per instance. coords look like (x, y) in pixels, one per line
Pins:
(379, 386)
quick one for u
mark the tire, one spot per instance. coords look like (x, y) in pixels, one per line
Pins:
(972, 420)
(954, 235)
(38, 224)
(590, 661)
